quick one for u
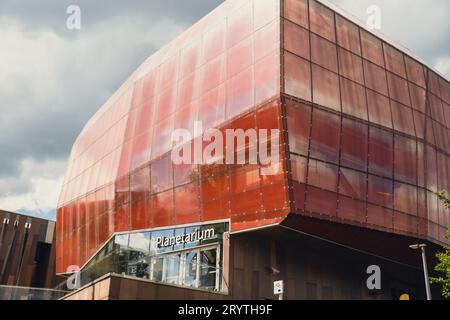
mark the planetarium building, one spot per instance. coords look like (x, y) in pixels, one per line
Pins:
(363, 143)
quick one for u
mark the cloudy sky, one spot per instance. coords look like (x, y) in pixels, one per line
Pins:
(52, 80)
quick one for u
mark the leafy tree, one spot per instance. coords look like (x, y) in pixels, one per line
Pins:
(444, 257)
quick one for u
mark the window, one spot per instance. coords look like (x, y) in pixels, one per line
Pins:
(157, 269)
(209, 270)
(197, 268)
(172, 269)
(191, 270)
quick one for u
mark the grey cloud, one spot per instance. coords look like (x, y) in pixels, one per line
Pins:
(53, 81)
(51, 13)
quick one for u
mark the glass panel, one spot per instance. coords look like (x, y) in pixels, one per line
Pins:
(372, 48)
(296, 39)
(379, 109)
(187, 208)
(239, 57)
(321, 202)
(381, 152)
(414, 71)
(348, 35)
(240, 93)
(394, 60)
(405, 198)
(323, 52)
(354, 145)
(213, 73)
(322, 175)
(379, 216)
(299, 167)
(405, 160)
(163, 209)
(139, 258)
(351, 66)
(298, 121)
(402, 118)
(350, 209)
(161, 173)
(325, 136)
(157, 267)
(212, 108)
(267, 78)
(240, 24)
(297, 77)
(190, 270)
(380, 191)
(418, 97)
(172, 268)
(297, 11)
(375, 78)
(322, 20)
(352, 183)
(405, 223)
(208, 269)
(353, 98)
(419, 123)
(398, 89)
(326, 88)
(214, 42)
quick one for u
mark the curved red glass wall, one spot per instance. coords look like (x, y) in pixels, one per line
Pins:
(368, 126)
(225, 72)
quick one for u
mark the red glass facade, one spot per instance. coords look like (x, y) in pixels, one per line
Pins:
(365, 132)
(367, 126)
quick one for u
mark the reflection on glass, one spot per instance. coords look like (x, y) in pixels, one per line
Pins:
(157, 240)
(142, 255)
(190, 269)
(172, 269)
(157, 267)
(122, 240)
(208, 269)
(140, 241)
